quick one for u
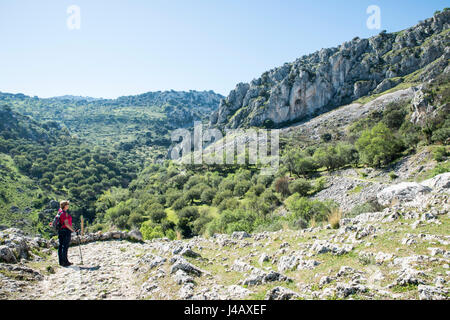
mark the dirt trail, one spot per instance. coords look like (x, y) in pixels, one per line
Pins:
(107, 273)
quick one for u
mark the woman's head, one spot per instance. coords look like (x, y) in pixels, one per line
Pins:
(64, 204)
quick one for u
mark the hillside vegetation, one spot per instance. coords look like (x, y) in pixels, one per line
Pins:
(358, 207)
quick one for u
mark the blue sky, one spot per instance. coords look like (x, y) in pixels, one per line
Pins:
(136, 46)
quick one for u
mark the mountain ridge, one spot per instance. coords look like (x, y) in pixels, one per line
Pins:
(332, 77)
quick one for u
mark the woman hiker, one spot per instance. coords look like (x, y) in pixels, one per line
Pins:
(64, 234)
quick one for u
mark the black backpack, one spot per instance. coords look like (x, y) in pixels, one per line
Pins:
(56, 224)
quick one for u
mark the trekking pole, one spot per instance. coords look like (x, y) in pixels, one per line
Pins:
(82, 233)
(79, 247)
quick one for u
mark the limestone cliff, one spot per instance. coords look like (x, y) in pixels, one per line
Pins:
(332, 77)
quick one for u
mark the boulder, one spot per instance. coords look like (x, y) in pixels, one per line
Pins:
(179, 263)
(182, 277)
(281, 293)
(439, 183)
(6, 255)
(135, 235)
(343, 290)
(403, 192)
(240, 235)
(432, 293)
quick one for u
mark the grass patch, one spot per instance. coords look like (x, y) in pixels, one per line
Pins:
(356, 189)
(402, 289)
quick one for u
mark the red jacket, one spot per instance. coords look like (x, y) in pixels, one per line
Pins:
(63, 217)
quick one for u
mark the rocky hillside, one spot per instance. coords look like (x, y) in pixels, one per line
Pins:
(400, 252)
(336, 76)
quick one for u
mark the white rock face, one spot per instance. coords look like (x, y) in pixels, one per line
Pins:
(403, 192)
(439, 183)
(412, 191)
(333, 77)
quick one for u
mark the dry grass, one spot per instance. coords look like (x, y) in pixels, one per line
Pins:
(335, 217)
(394, 202)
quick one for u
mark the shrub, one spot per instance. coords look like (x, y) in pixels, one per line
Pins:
(335, 217)
(320, 184)
(300, 186)
(257, 189)
(305, 166)
(190, 213)
(326, 137)
(226, 184)
(232, 220)
(241, 188)
(172, 195)
(220, 196)
(281, 185)
(335, 156)
(194, 194)
(298, 224)
(441, 135)
(157, 212)
(199, 225)
(301, 207)
(150, 231)
(369, 206)
(231, 203)
(186, 217)
(179, 204)
(439, 154)
(135, 219)
(393, 175)
(394, 115)
(208, 196)
(377, 146)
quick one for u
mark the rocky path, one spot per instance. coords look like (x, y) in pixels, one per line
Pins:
(400, 252)
(107, 273)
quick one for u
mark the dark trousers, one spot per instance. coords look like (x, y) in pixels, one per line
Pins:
(64, 242)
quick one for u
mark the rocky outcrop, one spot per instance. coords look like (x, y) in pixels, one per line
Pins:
(332, 77)
(413, 191)
(405, 191)
(15, 246)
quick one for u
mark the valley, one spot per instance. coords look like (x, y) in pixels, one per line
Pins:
(358, 207)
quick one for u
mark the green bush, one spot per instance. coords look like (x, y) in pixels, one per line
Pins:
(394, 115)
(208, 195)
(186, 218)
(377, 146)
(135, 219)
(232, 220)
(300, 186)
(320, 184)
(241, 187)
(393, 175)
(298, 162)
(157, 212)
(369, 206)
(231, 203)
(151, 231)
(222, 195)
(306, 209)
(440, 153)
(441, 135)
(180, 203)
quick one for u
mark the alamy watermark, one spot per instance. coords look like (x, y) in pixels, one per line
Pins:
(238, 147)
(74, 19)
(374, 20)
